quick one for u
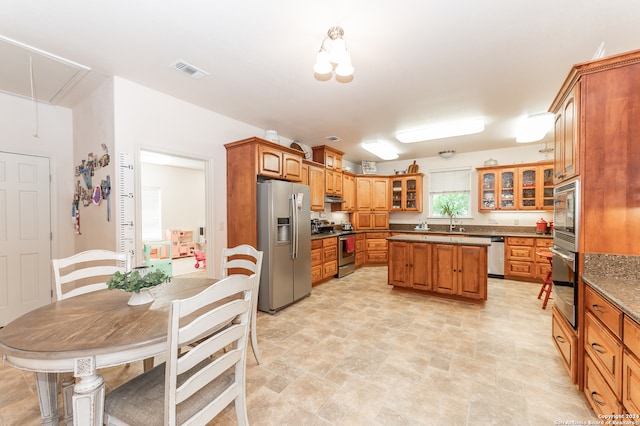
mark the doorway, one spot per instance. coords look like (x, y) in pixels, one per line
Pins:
(173, 209)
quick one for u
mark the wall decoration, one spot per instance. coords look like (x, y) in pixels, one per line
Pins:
(85, 192)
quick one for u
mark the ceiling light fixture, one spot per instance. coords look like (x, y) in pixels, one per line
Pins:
(534, 127)
(447, 154)
(336, 54)
(384, 150)
(441, 131)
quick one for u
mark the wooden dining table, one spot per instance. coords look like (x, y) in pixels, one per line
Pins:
(85, 333)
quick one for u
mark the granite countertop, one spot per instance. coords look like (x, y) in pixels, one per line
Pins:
(623, 292)
(324, 235)
(417, 238)
(481, 234)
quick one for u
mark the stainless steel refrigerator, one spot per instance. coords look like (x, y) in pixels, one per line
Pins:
(284, 237)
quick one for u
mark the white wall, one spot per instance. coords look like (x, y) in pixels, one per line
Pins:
(18, 124)
(93, 125)
(528, 153)
(182, 193)
(146, 118)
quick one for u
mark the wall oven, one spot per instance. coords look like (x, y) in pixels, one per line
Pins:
(564, 269)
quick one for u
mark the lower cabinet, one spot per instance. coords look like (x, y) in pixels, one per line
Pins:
(360, 249)
(376, 251)
(460, 270)
(521, 261)
(456, 270)
(324, 259)
(566, 341)
(603, 354)
(410, 265)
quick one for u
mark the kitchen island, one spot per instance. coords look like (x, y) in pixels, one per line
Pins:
(447, 266)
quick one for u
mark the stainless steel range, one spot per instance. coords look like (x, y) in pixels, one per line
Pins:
(346, 253)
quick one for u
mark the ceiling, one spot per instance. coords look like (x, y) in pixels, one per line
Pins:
(416, 62)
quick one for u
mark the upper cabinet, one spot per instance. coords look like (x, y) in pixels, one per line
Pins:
(526, 187)
(247, 159)
(406, 193)
(535, 187)
(566, 140)
(372, 193)
(276, 163)
(330, 157)
(316, 187)
(596, 138)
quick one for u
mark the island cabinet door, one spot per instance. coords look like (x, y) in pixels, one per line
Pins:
(445, 268)
(472, 272)
(421, 266)
(399, 264)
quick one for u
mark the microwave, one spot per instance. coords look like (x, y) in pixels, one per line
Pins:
(566, 215)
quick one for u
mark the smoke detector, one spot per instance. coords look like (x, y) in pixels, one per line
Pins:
(333, 138)
(190, 70)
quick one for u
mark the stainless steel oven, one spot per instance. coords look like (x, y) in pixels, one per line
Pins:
(346, 254)
(564, 264)
(566, 215)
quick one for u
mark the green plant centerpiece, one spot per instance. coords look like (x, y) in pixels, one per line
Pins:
(133, 281)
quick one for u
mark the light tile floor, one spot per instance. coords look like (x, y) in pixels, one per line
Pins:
(357, 352)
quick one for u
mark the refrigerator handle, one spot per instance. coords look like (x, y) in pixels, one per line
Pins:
(294, 219)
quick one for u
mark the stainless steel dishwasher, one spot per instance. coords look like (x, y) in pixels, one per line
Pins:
(495, 255)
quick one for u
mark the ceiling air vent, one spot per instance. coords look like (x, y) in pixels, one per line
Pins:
(333, 138)
(189, 69)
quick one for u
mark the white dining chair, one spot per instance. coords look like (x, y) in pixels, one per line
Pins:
(83, 273)
(86, 271)
(195, 386)
(245, 259)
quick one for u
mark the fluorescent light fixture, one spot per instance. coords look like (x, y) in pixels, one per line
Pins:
(384, 150)
(441, 131)
(534, 127)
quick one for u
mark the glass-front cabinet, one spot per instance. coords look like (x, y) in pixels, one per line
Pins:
(406, 193)
(497, 189)
(527, 187)
(536, 188)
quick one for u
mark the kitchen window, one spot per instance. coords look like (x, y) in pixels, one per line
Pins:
(452, 186)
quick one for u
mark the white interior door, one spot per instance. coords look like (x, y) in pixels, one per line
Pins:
(25, 235)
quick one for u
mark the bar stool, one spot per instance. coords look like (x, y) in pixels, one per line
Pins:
(547, 283)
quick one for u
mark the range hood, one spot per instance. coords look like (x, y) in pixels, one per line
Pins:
(333, 199)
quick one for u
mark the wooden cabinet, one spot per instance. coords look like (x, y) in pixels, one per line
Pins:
(376, 250)
(324, 259)
(330, 157)
(566, 136)
(333, 182)
(631, 367)
(521, 260)
(497, 189)
(247, 159)
(566, 341)
(372, 193)
(372, 209)
(275, 163)
(525, 187)
(360, 249)
(316, 187)
(460, 270)
(603, 354)
(329, 257)
(316, 261)
(410, 265)
(535, 187)
(406, 193)
(348, 194)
